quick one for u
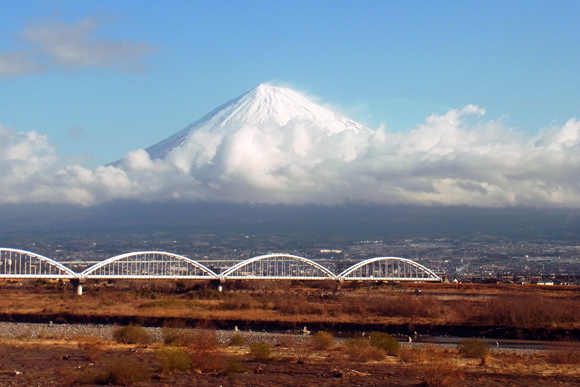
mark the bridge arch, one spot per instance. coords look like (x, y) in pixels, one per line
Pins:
(389, 268)
(278, 266)
(15, 263)
(149, 264)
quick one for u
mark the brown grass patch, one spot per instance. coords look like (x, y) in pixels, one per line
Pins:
(440, 374)
(565, 353)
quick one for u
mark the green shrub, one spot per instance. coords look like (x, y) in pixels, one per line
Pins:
(173, 359)
(385, 342)
(128, 373)
(237, 340)
(323, 341)
(260, 350)
(132, 334)
(472, 348)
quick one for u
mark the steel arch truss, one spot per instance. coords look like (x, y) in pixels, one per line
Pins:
(149, 265)
(16, 263)
(278, 266)
(388, 269)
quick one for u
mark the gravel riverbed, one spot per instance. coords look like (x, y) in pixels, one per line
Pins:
(11, 330)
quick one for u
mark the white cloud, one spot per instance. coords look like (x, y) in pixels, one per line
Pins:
(453, 159)
(54, 44)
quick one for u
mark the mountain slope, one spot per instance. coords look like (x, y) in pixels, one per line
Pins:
(262, 105)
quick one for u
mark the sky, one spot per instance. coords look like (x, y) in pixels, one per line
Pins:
(83, 84)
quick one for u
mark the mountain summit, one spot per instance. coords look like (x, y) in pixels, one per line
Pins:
(263, 105)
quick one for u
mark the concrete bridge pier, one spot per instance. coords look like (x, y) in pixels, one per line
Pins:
(216, 284)
(77, 286)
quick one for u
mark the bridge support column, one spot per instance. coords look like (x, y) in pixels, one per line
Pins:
(216, 285)
(77, 286)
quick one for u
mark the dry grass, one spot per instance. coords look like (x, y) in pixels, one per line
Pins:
(440, 374)
(511, 306)
(287, 341)
(359, 350)
(202, 348)
(532, 311)
(431, 366)
(423, 355)
(565, 353)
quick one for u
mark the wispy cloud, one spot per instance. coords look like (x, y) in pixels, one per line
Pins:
(19, 63)
(457, 158)
(55, 44)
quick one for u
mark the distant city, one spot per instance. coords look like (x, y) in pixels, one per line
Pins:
(477, 259)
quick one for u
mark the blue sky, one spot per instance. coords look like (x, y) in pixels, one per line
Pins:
(392, 62)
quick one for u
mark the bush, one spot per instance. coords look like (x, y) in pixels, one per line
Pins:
(472, 348)
(385, 342)
(360, 350)
(323, 341)
(132, 334)
(173, 336)
(202, 340)
(128, 373)
(176, 333)
(237, 340)
(173, 359)
(260, 350)
(202, 349)
(234, 366)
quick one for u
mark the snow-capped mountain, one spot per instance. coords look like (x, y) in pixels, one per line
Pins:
(262, 105)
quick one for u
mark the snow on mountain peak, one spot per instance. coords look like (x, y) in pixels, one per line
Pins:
(265, 104)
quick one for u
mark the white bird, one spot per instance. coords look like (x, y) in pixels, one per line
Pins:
(305, 331)
(236, 328)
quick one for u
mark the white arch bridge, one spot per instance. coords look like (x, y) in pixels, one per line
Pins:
(16, 263)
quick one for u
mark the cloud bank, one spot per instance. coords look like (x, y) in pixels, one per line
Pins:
(458, 158)
(54, 44)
